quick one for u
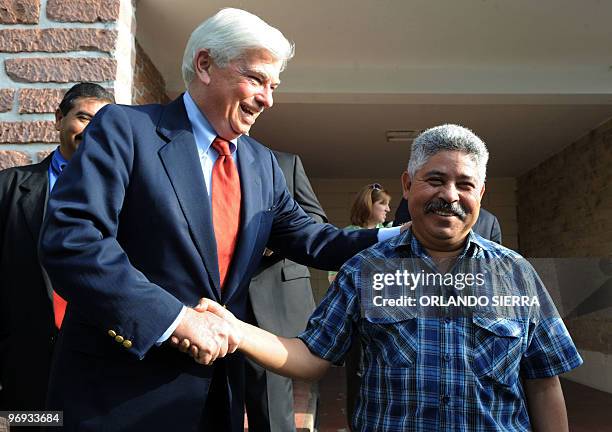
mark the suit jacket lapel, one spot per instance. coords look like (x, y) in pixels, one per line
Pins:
(182, 164)
(34, 197)
(250, 186)
(34, 194)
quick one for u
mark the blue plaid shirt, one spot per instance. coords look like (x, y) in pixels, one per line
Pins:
(460, 373)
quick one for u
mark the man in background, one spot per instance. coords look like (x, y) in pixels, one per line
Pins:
(282, 302)
(30, 311)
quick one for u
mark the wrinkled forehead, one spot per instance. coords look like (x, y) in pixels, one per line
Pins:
(259, 60)
(450, 163)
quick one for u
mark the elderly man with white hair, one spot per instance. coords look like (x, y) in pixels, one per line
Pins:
(427, 363)
(163, 205)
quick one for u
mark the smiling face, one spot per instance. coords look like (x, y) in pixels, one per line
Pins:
(72, 125)
(379, 211)
(444, 200)
(233, 97)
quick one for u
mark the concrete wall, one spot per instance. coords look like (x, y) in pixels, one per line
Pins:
(565, 210)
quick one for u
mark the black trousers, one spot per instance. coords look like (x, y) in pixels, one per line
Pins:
(268, 400)
(217, 415)
(353, 379)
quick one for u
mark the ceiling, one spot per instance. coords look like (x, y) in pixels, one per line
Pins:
(529, 77)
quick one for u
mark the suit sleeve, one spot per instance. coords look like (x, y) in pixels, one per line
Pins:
(298, 237)
(304, 194)
(79, 247)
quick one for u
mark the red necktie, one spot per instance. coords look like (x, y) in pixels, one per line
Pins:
(225, 198)
(59, 309)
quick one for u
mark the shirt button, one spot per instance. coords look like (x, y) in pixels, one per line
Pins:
(447, 320)
(445, 399)
(447, 357)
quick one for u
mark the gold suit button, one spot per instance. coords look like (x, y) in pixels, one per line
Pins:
(119, 338)
(127, 344)
(112, 333)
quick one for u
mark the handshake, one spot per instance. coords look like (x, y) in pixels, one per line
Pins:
(207, 332)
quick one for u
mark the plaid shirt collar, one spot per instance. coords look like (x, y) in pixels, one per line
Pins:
(407, 243)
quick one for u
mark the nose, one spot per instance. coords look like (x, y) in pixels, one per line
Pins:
(265, 97)
(449, 193)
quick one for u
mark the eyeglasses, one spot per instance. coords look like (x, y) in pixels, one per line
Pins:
(375, 186)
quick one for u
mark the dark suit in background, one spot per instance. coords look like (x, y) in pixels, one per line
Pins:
(487, 225)
(282, 302)
(27, 327)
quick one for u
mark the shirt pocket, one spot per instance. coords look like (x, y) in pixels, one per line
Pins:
(497, 349)
(391, 342)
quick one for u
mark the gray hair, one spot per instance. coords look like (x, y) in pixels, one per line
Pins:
(228, 34)
(448, 137)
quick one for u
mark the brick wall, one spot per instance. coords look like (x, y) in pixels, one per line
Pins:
(149, 85)
(336, 197)
(46, 46)
(565, 210)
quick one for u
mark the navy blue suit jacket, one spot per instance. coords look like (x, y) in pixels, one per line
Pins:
(128, 240)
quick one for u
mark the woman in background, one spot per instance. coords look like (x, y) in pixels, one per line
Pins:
(369, 210)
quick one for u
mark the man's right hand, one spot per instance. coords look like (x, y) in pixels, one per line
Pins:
(204, 335)
(236, 332)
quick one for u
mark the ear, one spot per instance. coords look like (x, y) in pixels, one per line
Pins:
(201, 65)
(482, 191)
(406, 183)
(58, 119)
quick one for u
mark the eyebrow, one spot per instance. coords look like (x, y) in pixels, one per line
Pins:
(434, 172)
(84, 113)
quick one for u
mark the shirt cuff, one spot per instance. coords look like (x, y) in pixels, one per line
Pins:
(387, 233)
(172, 327)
